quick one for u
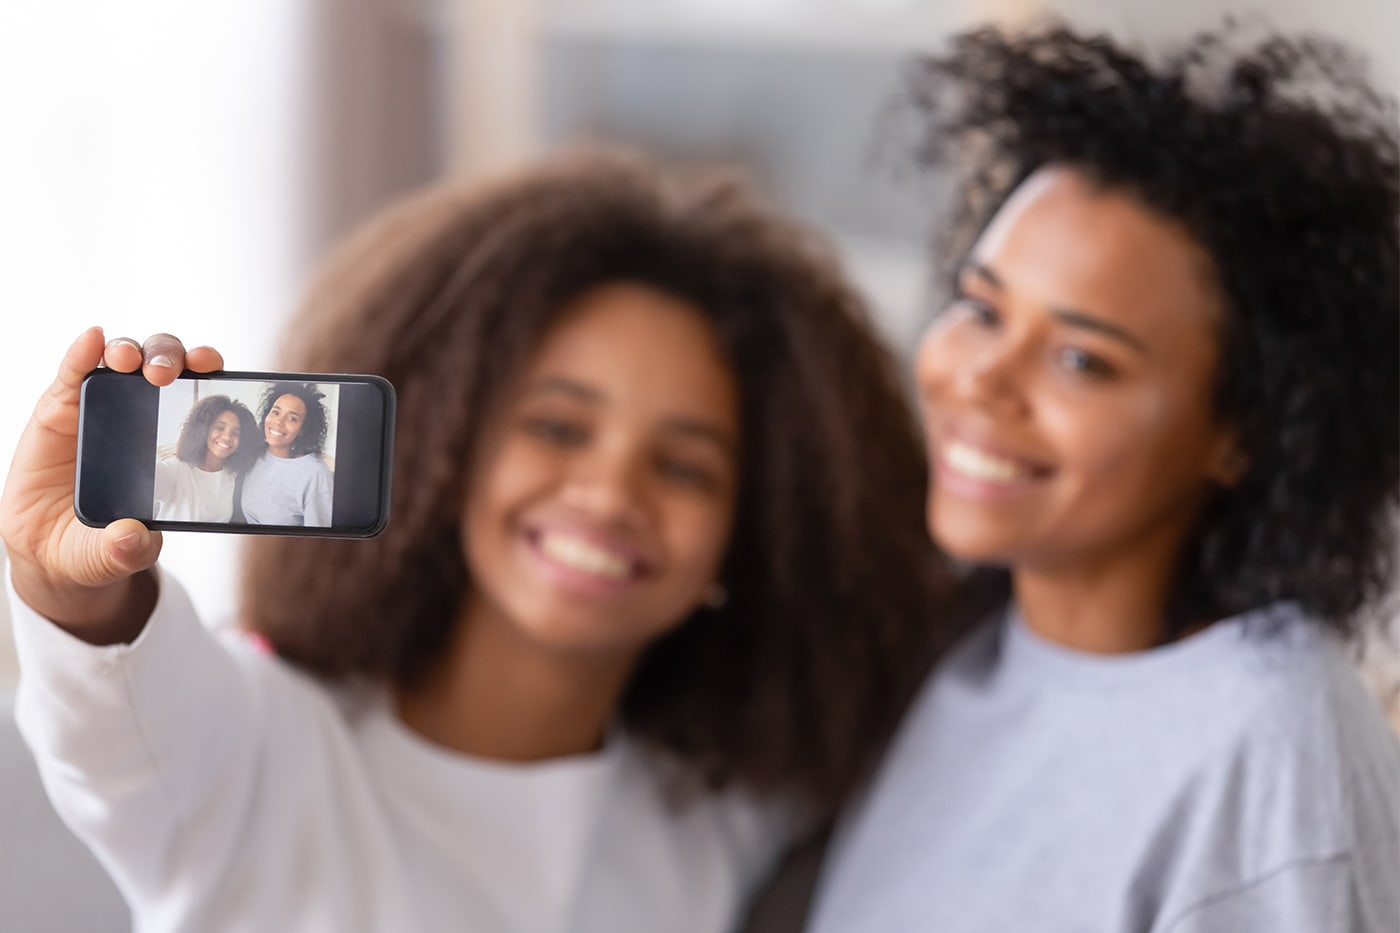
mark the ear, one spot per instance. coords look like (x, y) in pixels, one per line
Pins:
(1227, 464)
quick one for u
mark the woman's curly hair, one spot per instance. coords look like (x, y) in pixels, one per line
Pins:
(1281, 162)
(194, 433)
(834, 587)
(311, 439)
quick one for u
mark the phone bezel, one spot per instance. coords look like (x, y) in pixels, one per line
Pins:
(384, 487)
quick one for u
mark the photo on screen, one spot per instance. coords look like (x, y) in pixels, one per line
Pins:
(246, 452)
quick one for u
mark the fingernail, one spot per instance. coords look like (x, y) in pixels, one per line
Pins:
(128, 543)
(160, 359)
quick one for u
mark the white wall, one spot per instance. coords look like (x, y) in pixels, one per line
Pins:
(151, 179)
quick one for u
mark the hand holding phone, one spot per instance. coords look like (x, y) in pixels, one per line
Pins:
(88, 580)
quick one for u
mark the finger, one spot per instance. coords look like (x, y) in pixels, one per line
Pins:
(82, 357)
(122, 354)
(128, 547)
(203, 359)
(165, 358)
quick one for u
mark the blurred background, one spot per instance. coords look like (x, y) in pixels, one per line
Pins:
(182, 166)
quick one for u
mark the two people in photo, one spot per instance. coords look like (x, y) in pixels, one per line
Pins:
(229, 467)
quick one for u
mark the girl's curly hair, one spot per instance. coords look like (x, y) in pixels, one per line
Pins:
(1281, 161)
(834, 588)
(194, 433)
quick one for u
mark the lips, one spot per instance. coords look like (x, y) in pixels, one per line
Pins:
(984, 465)
(586, 562)
(977, 469)
(581, 555)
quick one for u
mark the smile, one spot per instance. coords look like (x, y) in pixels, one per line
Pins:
(585, 557)
(985, 466)
(974, 472)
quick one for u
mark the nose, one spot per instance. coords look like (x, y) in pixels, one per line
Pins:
(990, 374)
(606, 484)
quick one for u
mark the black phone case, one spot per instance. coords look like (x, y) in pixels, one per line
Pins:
(117, 431)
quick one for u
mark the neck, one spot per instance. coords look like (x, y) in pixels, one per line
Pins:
(211, 464)
(1110, 604)
(496, 694)
(280, 452)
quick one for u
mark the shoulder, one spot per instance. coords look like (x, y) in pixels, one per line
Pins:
(1302, 757)
(1295, 689)
(290, 692)
(752, 829)
(311, 465)
(171, 466)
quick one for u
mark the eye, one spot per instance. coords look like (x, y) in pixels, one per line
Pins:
(558, 431)
(1078, 360)
(980, 311)
(686, 472)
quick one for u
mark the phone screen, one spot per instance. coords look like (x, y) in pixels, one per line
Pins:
(261, 453)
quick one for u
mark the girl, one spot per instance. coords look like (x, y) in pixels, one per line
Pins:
(654, 591)
(290, 484)
(197, 484)
(1164, 404)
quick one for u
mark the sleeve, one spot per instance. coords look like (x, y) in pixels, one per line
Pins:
(165, 486)
(1311, 896)
(147, 750)
(316, 510)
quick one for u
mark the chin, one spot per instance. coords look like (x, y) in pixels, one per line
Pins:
(971, 545)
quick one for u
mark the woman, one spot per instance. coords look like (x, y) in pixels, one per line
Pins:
(290, 484)
(1162, 410)
(197, 484)
(654, 591)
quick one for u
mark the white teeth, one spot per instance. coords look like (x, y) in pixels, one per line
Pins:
(581, 555)
(981, 465)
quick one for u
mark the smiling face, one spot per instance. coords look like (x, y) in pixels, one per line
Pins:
(604, 493)
(224, 435)
(1067, 391)
(283, 424)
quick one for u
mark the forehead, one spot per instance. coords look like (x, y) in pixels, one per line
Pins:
(290, 403)
(1063, 241)
(641, 350)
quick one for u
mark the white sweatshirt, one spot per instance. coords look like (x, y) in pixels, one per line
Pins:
(227, 791)
(185, 493)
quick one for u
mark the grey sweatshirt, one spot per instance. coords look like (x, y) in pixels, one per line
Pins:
(1238, 781)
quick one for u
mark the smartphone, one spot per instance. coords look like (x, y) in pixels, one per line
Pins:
(246, 452)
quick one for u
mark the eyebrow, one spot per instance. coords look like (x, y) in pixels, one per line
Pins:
(558, 385)
(686, 426)
(1070, 316)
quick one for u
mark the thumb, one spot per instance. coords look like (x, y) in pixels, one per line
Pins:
(128, 547)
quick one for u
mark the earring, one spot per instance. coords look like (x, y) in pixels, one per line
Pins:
(715, 596)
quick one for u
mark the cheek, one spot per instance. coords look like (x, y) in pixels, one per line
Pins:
(933, 360)
(502, 481)
(1130, 449)
(699, 536)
